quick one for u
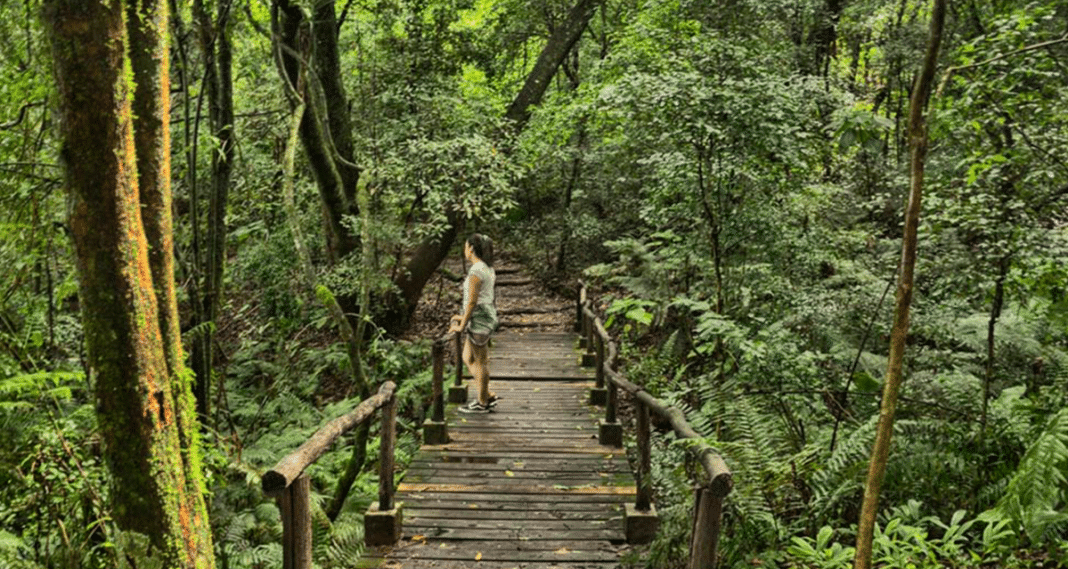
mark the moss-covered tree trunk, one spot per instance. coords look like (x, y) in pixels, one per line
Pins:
(899, 332)
(325, 128)
(118, 181)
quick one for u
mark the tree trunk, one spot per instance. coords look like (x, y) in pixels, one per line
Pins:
(325, 128)
(217, 55)
(991, 328)
(823, 38)
(899, 332)
(410, 281)
(561, 41)
(118, 178)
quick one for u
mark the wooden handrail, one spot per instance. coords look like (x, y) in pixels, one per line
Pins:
(290, 468)
(292, 488)
(709, 495)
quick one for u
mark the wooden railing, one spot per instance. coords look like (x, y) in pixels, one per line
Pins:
(435, 430)
(288, 484)
(601, 352)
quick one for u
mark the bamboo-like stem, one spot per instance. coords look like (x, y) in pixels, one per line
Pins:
(918, 144)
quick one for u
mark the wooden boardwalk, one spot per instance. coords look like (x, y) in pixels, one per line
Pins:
(525, 487)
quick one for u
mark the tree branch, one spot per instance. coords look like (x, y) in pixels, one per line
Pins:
(22, 115)
(949, 72)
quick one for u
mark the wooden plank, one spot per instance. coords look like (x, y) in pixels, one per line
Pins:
(529, 444)
(455, 452)
(599, 504)
(379, 563)
(579, 465)
(413, 523)
(482, 497)
(508, 473)
(559, 551)
(512, 535)
(605, 513)
(546, 483)
(533, 489)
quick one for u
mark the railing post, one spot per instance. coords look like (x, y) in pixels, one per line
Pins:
(580, 292)
(295, 504)
(458, 391)
(385, 462)
(435, 431)
(589, 359)
(383, 521)
(640, 519)
(584, 329)
(597, 394)
(708, 516)
(613, 402)
(599, 342)
(610, 431)
(645, 478)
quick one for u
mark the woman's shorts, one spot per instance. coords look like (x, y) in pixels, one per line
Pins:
(477, 339)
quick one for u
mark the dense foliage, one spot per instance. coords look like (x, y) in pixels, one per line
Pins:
(730, 175)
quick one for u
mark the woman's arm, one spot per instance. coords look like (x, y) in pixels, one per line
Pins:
(472, 294)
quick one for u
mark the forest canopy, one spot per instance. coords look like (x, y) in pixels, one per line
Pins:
(730, 177)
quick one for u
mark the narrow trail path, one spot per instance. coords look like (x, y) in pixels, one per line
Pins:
(527, 486)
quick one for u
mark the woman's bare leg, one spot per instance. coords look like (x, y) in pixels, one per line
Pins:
(477, 360)
(482, 363)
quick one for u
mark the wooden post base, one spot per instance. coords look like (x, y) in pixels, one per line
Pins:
(589, 360)
(598, 396)
(458, 394)
(582, 342)
(435, 433)
(640, 526)
(610, 434)
(382, 528)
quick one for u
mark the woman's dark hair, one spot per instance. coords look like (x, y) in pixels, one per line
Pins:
(482, 246)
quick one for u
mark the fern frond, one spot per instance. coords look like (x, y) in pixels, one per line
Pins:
(1035, 496)
(33, 386)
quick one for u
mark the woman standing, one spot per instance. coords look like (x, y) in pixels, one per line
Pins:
(478, 318)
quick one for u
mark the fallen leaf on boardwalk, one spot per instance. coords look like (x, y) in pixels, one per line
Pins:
(517, 464)
(473, 506)
(608, 457)
(509, 473)
(562, 551)
(604, 474)
(462, 420)
(418, 538)
(445, 546)
(478, 556)
(537, 389)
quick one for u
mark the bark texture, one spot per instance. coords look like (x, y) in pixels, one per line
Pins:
(899, 332)
(127, 296)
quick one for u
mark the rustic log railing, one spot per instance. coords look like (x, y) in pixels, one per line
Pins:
(288, 484)
(601, 352)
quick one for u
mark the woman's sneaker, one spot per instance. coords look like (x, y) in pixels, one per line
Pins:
(475, 407)
(492, 404)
